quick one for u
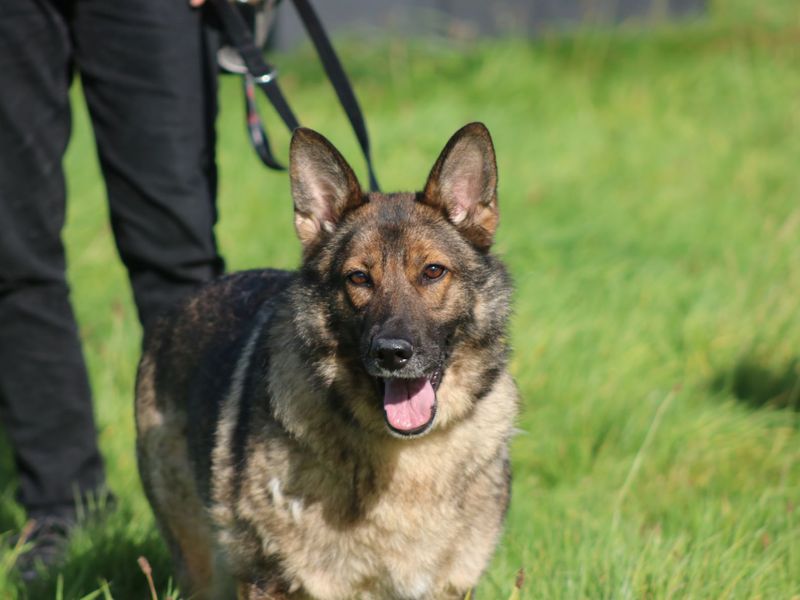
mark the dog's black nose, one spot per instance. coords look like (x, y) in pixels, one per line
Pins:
(392, 353)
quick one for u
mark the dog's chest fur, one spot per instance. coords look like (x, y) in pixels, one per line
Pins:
(344, 516)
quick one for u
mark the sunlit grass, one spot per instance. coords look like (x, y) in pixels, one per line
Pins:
(649, 188)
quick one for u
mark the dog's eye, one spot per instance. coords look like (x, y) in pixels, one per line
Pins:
(359, 278)
(432, 272)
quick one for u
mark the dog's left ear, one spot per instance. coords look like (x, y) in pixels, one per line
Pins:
(324, 186)
(463, 184)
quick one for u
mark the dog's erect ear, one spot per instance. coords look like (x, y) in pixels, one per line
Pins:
(463, 184)
(324, 186)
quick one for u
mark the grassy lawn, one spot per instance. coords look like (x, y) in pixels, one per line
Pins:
(650, 214)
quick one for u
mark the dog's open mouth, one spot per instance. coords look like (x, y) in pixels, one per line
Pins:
(409, 405)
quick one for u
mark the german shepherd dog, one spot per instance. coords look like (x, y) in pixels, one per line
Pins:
(342, 431)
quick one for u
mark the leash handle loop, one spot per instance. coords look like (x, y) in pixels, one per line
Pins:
(255, 127)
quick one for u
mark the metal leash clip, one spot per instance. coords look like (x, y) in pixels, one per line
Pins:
(259, 16)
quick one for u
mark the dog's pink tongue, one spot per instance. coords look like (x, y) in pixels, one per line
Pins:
(408, 403)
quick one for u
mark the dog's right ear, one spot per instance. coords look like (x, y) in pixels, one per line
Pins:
(324, 186)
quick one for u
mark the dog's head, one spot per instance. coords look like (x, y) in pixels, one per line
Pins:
(410, 296)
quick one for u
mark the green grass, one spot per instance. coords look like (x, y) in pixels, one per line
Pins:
(650, 202)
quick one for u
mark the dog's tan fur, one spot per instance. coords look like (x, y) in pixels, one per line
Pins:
(262, 446)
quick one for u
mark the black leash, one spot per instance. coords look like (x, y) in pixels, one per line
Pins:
(262, 74)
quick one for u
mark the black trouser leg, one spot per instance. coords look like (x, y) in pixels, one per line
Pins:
(150, 84)
(45, 402)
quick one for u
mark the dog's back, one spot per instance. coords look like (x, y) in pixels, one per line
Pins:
(343, 431)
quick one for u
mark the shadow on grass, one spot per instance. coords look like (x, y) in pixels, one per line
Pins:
(106, 554)
(759, 385)
(101, 552)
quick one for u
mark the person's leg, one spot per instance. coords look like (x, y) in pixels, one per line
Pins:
(45, 403)
(150, 84)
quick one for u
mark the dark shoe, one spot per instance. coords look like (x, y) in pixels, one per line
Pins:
(44, 544)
